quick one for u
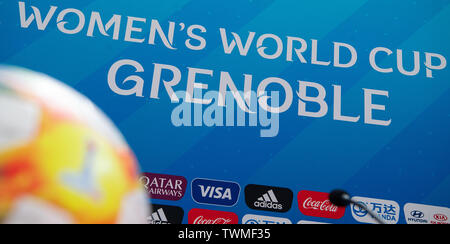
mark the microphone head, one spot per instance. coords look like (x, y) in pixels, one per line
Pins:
(340, 198)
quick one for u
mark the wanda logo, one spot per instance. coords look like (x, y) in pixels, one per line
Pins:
(317, 204)
(209, 217)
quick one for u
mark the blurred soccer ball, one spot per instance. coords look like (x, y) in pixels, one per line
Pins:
(61, 159)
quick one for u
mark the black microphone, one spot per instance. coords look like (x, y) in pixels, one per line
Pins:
(341, 198)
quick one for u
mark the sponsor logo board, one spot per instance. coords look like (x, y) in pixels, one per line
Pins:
(388, 211)
(317, 204)
(204, 216)
(259, 219)
(215, 192)
(165, 187)
(164, 214)
(426, 214)
(268, 198)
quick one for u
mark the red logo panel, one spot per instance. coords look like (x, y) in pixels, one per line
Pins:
(203, 216)
(317, 204)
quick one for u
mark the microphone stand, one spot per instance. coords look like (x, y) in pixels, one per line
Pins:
(342, 199)
(363, 206)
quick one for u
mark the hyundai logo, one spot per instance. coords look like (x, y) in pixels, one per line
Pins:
(417, 214)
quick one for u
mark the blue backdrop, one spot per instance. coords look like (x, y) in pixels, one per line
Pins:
(406, 162)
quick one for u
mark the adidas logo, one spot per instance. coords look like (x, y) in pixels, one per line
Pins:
(158, 217)
(268, 200)
(268, 197)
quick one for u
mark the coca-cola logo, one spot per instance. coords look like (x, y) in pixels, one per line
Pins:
(317, 204)
(210, 217)
(326, 205)
(201, 220)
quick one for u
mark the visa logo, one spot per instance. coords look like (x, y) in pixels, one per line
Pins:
(215, 192)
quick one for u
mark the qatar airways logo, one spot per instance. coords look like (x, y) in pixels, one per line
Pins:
(316, 204)
(166, 187)
(209, 217)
